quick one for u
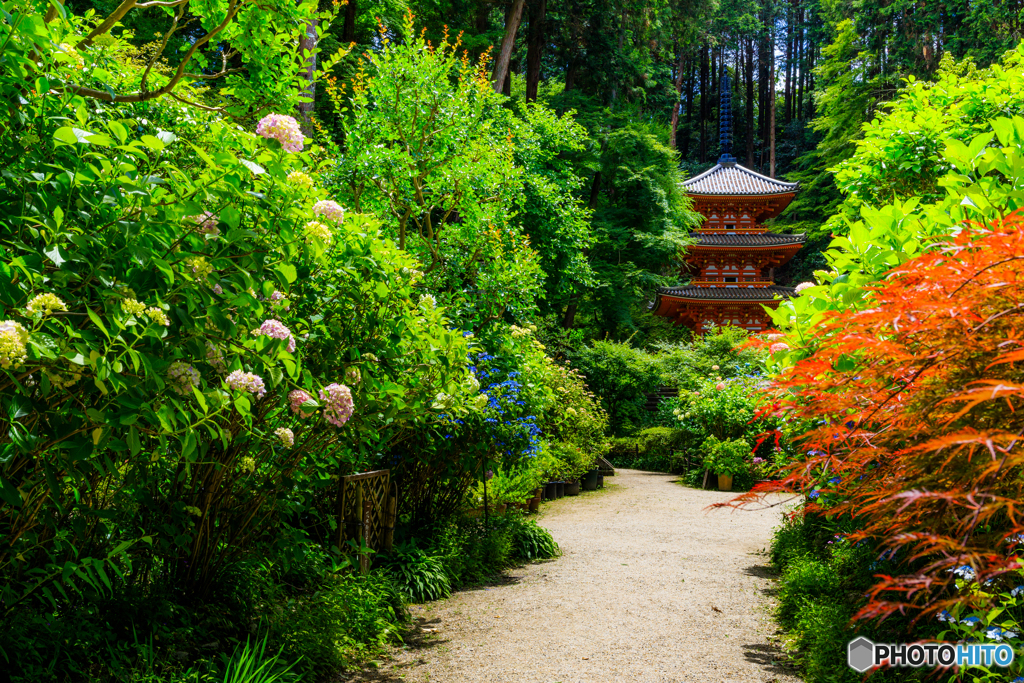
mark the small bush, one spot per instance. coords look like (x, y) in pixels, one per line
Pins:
(346, 619)
(531, 542)
(803, 579)
(421, 576)
(821, 632)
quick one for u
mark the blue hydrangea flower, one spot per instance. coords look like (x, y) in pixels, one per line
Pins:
(964, 571)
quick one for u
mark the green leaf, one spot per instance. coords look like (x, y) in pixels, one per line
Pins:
(287, 271)
(134, 444)
(165, 268)
(10, 493)
(97, 322)
(152, 142)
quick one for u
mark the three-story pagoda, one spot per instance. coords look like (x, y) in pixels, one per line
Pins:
(733, 262)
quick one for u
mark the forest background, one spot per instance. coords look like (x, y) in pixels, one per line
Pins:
(644, 79)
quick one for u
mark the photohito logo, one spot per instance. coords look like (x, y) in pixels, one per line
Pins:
(862, 654)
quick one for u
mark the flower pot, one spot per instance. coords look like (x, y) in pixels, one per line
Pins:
(534, 504)
(600, 481)
(550, 490)
(590, 480)
(559, 489)
(725, 482)
(572, 489)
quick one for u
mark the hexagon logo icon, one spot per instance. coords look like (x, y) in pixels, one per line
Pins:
(860, 654)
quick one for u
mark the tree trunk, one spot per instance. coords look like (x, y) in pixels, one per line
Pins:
(762, 99)
(674, 124)
(483, 13)
(705, 104)
(787, 87)
(512, 19)
(691, 86)
(535, 48)
(348, 31)
(771, 118)
(307, 48)
(750, 102)
(801, 58)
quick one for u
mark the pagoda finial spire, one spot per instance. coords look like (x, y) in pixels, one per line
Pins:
(725, 121)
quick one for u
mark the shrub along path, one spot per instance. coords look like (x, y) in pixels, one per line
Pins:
(650, 588)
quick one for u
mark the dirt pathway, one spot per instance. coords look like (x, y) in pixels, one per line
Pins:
(651, 588)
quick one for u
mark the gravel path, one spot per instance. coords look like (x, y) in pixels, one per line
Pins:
(651, 588)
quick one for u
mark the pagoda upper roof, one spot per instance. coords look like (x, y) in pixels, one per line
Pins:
(727, 293)
(727, 178)
(763, 239)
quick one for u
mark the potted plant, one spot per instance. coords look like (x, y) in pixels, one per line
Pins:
(726, 459)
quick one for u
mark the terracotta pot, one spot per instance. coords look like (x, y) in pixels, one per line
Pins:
(725, 482)
(572, 489)
(534, 504)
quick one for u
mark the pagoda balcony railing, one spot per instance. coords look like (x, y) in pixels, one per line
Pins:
(715, 281)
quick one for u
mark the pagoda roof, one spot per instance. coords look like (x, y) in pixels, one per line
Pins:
(727, 293)
(764, 239)
(727, 178)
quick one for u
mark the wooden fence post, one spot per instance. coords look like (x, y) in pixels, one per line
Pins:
(364, 526)
(389, 523)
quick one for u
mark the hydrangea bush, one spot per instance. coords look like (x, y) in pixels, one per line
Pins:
(176, 353)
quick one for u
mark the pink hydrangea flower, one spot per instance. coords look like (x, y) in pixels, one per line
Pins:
(286, 436)
(277, 300)
(338, 407)
(804, 285)
(246, 381)
(296, 398)
(215, 357)
(720, 386)
(779, 346)
(282, 128)
(275, 329)
(183, 377)
(329, 210)
(205, 223)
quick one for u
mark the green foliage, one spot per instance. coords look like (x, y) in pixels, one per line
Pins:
(338, 620)
(641, 221)
(725, 409)
(431, 119)
(822, 584)
(572, 462)
(103, 64)
(721, 353)
(420, 576)
(622, 377)
(944, 153)
(726, 457)
(250, 664)
(531, 542)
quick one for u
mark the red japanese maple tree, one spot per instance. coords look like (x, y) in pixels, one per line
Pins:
(915, 417)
